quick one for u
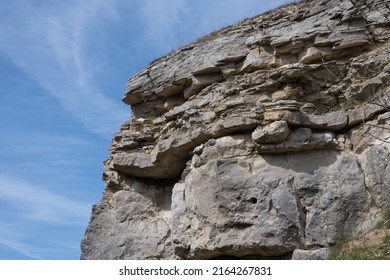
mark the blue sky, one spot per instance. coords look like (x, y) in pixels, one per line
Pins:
(64, 67)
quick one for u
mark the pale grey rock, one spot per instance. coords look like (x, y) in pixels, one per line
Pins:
(141, 165)
(266, 202)
(336, 120)
(291, 117)
(177, 111)
(275, 132)
(241, 146)
(330, 121)
(286, 95)
(340, 196)
(316, 254)
(375, 132)
(231, 205)
(132, 223)
(315, 54)
(291, 105)
(258, 141)
(258, 39)
(299, 140)
(308, 108)
(199, 82)
(233, 125)
(383, 118)
(351, 41)
(171, 73)
(232, 146)
(375, 163)
(293, 47)
(259, 58)
(363, 113)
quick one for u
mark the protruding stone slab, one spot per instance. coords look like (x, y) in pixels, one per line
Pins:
(301, 139)
(275, 132)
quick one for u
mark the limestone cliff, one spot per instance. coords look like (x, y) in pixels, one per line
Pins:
(265, 138)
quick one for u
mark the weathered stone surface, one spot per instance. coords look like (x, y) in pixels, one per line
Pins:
(119, 220)
(293, 47)
(233, 125)
(200, 82)
(177, 67)
(315, 54)
(252, 196)
(265, 140)
(287, 93)
(364, 112)
(330, 121)
(232, 204)
(351, 41)
(275, 132)
(375, 162)
(317, 254)
(340, 196)
(259, 58)
(291, 117)
(301, 139)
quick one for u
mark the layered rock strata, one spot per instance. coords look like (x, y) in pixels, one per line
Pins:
(267, 139)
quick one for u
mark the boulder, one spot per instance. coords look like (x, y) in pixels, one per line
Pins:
(275, 132)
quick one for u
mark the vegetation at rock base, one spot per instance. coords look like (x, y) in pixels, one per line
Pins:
(364, 252)
(385, 222)
(376, 246)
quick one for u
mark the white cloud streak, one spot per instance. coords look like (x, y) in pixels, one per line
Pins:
(169, 24)
(22, 248)
(160, 20)
(37, 204)
(47, 41)
(31, 214)
(34, 241)
(56, 44)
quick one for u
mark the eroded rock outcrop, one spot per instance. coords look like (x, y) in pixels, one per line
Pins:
(263, 139)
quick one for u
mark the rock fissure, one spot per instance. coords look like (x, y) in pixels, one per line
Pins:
(366, 186)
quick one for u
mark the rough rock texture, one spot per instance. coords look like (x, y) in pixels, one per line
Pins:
(317, 254)
(263, 139)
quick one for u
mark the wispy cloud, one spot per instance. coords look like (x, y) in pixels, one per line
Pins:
(42, 143)
(38, 204)
(169, 24)
(37, 222)
(25, 240)
(60, 44)
(160, 21)
(51, 42)
(12, 240)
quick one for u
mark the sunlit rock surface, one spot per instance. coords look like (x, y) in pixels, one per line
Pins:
(267, 139)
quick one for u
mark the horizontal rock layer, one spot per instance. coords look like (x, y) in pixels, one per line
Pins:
(267, 139)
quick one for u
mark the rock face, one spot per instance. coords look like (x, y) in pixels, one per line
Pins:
(263, 139)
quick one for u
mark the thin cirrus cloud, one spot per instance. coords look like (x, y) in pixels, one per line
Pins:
(37, 222)
(161, 21)
(25, 240)
(48, 43)
(64, 45)
(12, 239)
(168, 24)
(36, 203)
